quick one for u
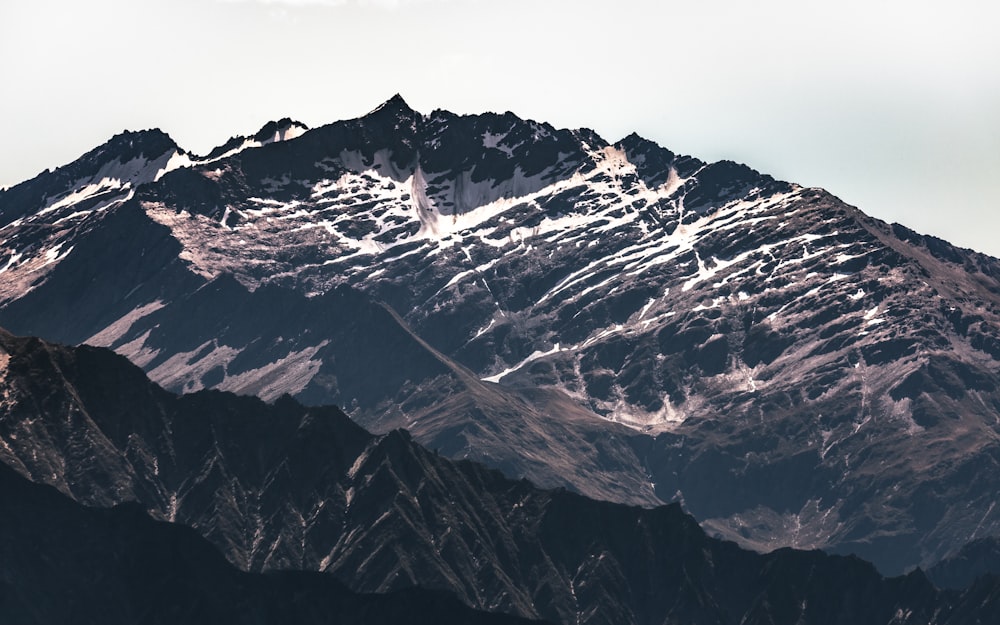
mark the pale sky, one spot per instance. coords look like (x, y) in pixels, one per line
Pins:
(892, 105)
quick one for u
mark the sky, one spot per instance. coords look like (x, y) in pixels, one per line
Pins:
(893, 106)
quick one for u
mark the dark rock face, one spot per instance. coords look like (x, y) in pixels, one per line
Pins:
(959, 570)
(65, 563)
(273, 486)
(284, 486)
(793, 371)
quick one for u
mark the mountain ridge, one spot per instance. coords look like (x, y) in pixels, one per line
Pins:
(751, 333)
(63, 561)
(415, 518)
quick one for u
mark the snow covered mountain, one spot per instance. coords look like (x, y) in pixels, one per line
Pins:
(630, 323)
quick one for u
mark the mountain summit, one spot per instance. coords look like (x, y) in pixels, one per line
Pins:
(627, 322)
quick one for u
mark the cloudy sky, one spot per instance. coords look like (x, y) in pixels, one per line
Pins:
(892, 105)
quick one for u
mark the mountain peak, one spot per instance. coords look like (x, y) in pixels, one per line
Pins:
(636, 143)
(395, 102)
(395, 107)
(280, 130)
(126, 160)
(393, 116)
(150, 143)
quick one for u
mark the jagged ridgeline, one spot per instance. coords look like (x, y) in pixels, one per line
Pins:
(285, 487)
(613, 318)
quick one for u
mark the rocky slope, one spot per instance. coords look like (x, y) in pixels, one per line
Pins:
(793, 371)
(63, 563)
(283, 486)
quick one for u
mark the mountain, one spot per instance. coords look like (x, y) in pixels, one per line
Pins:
(283, 486)
(101, 178)
(65, 563)
(633, 324)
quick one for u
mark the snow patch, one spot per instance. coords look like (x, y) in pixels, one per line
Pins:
(114, 176)
(54, 254)
(533, 357)
(177, 160)
(493, 141)
(14, 259)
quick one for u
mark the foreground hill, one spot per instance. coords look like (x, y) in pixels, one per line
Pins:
(64, 563)
(285, 487)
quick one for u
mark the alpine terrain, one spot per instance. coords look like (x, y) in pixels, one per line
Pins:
(282, 487)
(612, 318)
